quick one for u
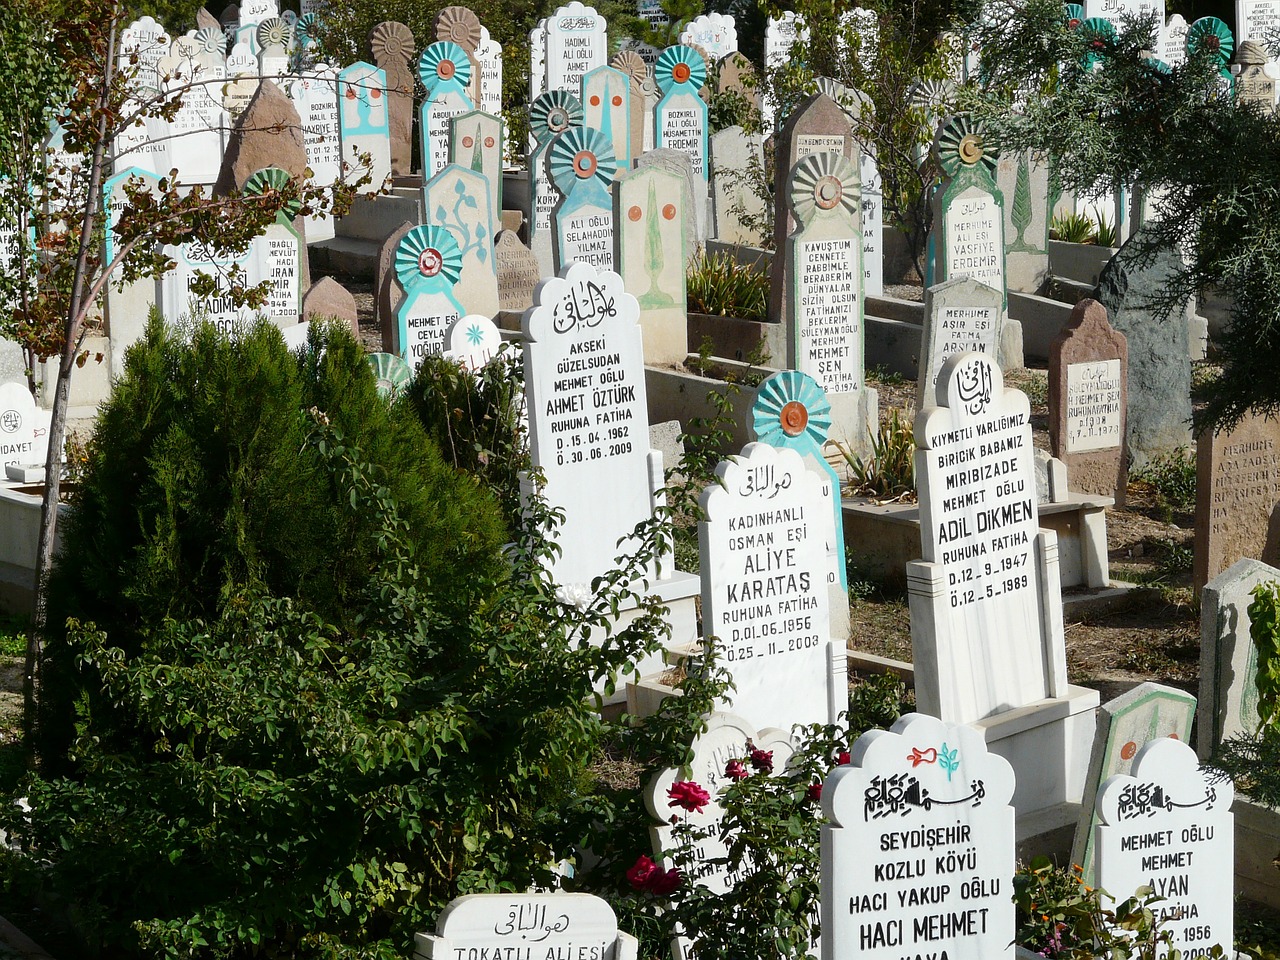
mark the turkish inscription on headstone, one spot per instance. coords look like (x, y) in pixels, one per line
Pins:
(960, 315)
(525, 925)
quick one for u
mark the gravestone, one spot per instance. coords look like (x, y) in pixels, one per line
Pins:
(1125, 725)
(1237, 492)
(475, 141)
(198, 130)
(1023, 180)
(550, 115)
(1228, 655)
(511, 924)
(960, 316)
(128, 307)
(1169, 824)
(278, 251)
(392, 48)
(329, 300)
(639, 79)
(727, 737)
(445, 71)
(1158, 408)
(489, 54)
(581, 165)
(457, 199)
(918, 847)
(1257, 19)
(606, 105)
(1172, 45)
(142, 45)
(315, 95)
(388, 294)
(780, 36)
(588, 417)
(648, 217)
(577, 43)
(518, 273)
(538, 60)
(364, 124)
(274, 38)
(191, 259)
(678, 163)
(872, 227)
(1253, 83)
(428, 263)
(715, 33)
(968, 208)
(24, 430)
(738, 211)
(680, 120)
(823, 309)
(460, 25)
(144, 145)
(1088, 393)
(763, 588)
(242, 62)
(267, 134)
(472, 341)
(986, 616)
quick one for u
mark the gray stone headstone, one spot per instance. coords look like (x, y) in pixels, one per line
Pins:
(678, 163)
(959, 315)
(1228, 657)
(518, 272)
(1159, 408)
(733, 202)
(1024, 181)
(1125, 725)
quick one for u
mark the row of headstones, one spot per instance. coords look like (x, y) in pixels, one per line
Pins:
(917, 852)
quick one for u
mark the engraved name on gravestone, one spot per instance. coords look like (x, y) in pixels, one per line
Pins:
(588, 416)
(192, 259)
(1228, 655)
(918, 850)
(577, 43)
(522, 926)
(518, 273)
(764, 594)
(960, 315)
(680, 118)
(582, 167)
(1125, 725)
(1237, 492)
(986, 621)
(1257, 19)
(277, 252)
(1169, 824)
(428, 264)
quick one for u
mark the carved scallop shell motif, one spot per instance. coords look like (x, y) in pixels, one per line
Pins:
(391, 373)
(554, 112)
(581, 154)
(791, 410)
(680, 65)
(441, 62)
(824, 181)
(460, 25)
(274, 33)
(272, 178)
(210, 40)
(427, 251)
(632, 64)
(960, 144)
(391, 42)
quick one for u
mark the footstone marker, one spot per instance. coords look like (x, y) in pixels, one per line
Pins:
(648, 216)
(428, 263)
(1169, 825)
(445, 71)
(763, 588)
(918, 850)
(969, 208)
(582, 167)
(986, 607)
(457, 199)
(1158, 408)
(472, 341)
(1253, 83)
(576, 925)
(518, 273)
(1237, 492)
(680, 120)
(588, 417)
(1088, 395)
(329, 300)
(960, 315)
(1125, 725)
(364, 124)
(1228, 655)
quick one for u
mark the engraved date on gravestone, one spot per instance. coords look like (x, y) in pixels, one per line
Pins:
(1093, 406)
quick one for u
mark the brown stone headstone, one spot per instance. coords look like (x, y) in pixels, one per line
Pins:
(230, 14)
(391, 45)
(1088, 402)
(633, 65)
(518, 273)
(462, 26)
(267, 134)
(206, 20)
(1237, 491)
(737, 75)
(818, 125)
(329, 300)
(386, 289)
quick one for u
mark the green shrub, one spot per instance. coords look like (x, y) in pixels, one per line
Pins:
(1172, 477)
(202, 489)
(1073, 228)
(719, 285)
(890, 471)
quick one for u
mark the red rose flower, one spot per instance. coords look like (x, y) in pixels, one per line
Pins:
(642, 872)
(843, 757)
(687, 795)
(814, 792)
(664, 883)
(762, 760)
(735, 770)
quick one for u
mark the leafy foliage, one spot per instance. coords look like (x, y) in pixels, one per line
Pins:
(719, 285)
(890, 472)
(1264, 631)
(1172, 476)
(1073, 228)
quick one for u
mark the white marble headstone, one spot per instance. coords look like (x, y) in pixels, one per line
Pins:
(524, 925)
(577, 43)
(472, 341)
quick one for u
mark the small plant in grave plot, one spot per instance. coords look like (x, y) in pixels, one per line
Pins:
(890, 472)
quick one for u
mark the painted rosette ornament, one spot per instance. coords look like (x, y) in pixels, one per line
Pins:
(825, 181)
(581, 154)
(680, 65)
(1210, 33)
(791, 410)
(1073, 14)
(427, 252)
(274, 33)
(553, 113)
(1099, 35)
(209, 40)
(273, 178)
(444, 62)
(961, 144)
(390, 373)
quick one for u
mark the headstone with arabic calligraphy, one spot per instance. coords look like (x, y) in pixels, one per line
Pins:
(986, 611)
(24, 430)
(522, 926)
(764, 587)
(1169, 825)
(918, 850)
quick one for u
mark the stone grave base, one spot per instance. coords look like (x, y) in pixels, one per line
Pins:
(1257, 847)
(1048, 743)
(360, 234)
(679, 592)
